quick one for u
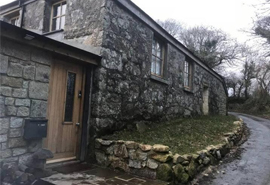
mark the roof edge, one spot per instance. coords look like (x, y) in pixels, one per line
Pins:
(39, 41)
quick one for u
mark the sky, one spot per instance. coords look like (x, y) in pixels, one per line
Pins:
(235, 17)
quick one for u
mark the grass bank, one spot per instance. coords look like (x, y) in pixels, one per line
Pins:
(183, 135)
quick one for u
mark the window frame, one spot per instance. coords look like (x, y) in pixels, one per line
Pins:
(162, 58)
(11, 15)
(16, 18)
(56, 17)
(189, 73)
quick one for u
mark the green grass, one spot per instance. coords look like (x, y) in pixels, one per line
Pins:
(183, 135)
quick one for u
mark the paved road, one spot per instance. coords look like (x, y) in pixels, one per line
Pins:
(254, 166)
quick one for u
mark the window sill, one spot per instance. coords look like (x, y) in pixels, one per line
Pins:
(188, 90)
(52, 32)
(159, 79)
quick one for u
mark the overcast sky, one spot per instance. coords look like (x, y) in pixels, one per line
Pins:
(232, 16)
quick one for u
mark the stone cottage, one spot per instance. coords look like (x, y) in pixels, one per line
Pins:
(73, 70)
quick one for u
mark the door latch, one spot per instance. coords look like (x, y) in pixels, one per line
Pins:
(77, 124)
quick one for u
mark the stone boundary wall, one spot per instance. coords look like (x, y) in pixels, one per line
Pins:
(158, 162)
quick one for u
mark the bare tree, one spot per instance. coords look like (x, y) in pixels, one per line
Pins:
(172, 26)
(232, 82)
(248, 74)
(263, 28)
(263, 77)
(213, 46)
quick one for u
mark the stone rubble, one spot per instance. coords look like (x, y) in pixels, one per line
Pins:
(30, 168)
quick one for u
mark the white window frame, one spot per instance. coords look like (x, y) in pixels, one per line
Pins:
(161, 58)
(17, 19)
(14, 14)
(188, 75)
(57, 17)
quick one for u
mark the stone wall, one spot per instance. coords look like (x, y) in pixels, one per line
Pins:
(34, 16)
(124, 90)
(84, 21)
(157, 162)
(24, 86)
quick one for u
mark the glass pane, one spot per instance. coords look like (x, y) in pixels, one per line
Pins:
(56, 10)
(64, 7)
(159, 53)
(186, 81)
(153, 68)
(71, 79)
(56, 24)
(13, 21)
(154, 47)
(63, 20)
(16, 22)
(158, 67)
(158, 46)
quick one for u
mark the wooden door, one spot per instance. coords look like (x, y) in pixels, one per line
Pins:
(64, 111)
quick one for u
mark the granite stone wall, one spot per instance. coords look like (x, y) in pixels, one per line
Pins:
(24, 86)
(124, 90)
(34, 16)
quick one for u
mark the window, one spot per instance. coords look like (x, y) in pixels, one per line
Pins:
(187, 75)
(13, 17)
(58, 15)
(157, 58)
(15, 21)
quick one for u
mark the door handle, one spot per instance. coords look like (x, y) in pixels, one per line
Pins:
(77, 124)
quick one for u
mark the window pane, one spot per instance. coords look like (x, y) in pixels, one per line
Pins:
(159, 53)
(63, 20)
(153, 65)
(16, 22)
(158, 67)
(64, 7)
(56, 24)
(186, 80)
(71, 78)
(13, 21)
(56, 10)
(154, 47)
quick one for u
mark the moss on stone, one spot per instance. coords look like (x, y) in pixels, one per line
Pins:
(164, 172)
(180, 174)
(192, 169)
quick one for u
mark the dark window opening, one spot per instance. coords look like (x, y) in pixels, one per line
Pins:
(70, 92)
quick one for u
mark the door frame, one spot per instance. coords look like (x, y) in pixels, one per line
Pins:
(87, 85)
(204, 94)
(86, 113)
